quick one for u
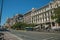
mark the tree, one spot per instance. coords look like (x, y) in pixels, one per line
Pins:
(31, 25)
(16, 26)
(21, 25)
(56, 15)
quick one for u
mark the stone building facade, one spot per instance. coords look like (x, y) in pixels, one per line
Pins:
(27, 16)
(13, 20)
(42, 16)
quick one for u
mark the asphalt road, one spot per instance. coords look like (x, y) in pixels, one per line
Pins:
(9, 36)
(28, 35)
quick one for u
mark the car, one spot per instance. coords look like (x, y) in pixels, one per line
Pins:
(3, 29)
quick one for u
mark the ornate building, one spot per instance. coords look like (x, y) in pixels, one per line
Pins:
(42, 16)
(27, 16)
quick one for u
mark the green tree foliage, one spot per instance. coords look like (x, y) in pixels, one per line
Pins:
(21, 25)
(56, 15)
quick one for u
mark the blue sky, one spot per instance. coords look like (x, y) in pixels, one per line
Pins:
(12, 7)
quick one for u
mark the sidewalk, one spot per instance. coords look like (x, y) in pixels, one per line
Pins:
(9, 36)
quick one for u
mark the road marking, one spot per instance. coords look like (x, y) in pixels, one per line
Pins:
(15, 36)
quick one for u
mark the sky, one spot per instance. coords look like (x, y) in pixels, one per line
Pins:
(13, 7)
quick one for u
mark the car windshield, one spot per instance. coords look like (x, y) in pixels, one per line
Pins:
(29, 19)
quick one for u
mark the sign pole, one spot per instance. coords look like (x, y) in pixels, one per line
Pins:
(1, 11)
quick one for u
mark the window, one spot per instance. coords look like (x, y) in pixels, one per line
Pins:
(36, 12)
(44, 19)
(56, 5)
(47, 18)
(51, 12)
(39, 12)
(44, 14)
(47, 14)
(51, 6)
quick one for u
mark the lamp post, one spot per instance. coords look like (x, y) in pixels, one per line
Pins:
(1, 11)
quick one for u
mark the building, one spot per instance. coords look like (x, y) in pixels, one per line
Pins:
(42, 16)
(27, 16)
(17, 18)
(13, 20)
(8, 23)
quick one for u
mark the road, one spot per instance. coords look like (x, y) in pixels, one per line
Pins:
(10, 36)
(28, 35)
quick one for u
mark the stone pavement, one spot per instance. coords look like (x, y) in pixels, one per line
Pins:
(9, 36)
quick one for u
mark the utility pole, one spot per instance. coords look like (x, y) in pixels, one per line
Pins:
(1, 11)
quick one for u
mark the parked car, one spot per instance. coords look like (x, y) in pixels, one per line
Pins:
(3, 29)
(29, 28)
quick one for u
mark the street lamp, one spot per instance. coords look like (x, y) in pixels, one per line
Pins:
(1, 11)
